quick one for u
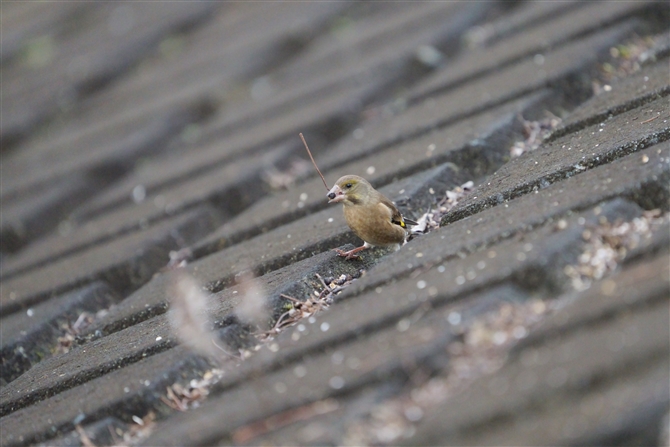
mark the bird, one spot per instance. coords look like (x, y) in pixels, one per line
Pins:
(369, 214)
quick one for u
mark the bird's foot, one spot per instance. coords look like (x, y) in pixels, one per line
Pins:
(351, 254)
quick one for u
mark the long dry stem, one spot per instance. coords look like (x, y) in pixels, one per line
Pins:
(310, 156)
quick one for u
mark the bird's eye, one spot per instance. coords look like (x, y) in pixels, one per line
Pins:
(348, 185)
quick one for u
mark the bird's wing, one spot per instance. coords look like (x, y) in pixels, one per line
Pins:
(410, 221)
(396, 217)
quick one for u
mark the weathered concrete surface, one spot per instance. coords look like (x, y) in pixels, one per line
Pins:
(20, 21)
(150, 339)
(568, 22)
(644, 183)
(562, 158)
(36, 215)
(32, 96)
(561, 65)
(350, 319)
(418, 98)
(323, 115)
(255, 37)
(125, 262)
(269, 251)
(628, 342)
(30, 337)
(608, 415)
(85, 363)
(647, 85)
(120, 141)
(51, 186)
(475, 146)
(121, 390)
(637, 286)
(238, 181)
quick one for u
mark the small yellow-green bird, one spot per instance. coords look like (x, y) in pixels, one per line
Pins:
(372, 216)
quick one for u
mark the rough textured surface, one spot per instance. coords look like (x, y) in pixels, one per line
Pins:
(125, 262)
(142, 143)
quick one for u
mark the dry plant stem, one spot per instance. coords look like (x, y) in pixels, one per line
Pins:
(220, 348)
(172, 401)
(650, 120)
(312, 158)
(327, 292)
(303, 309)
(290, 298)
(323, 283)
(115, 438)
(284, 319)
(248, 432)
(83, 437)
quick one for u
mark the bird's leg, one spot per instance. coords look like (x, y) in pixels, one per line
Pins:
(351, 254)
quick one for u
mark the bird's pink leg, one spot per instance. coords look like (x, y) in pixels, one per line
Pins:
(351, 254)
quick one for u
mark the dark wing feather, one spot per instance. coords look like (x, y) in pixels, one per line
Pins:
(410, 221)
(396, 217)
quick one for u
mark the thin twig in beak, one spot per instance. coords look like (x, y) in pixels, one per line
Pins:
(310, 156)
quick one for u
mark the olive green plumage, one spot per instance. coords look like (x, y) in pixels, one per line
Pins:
(370, 215)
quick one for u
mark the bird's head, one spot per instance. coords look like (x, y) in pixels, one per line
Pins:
(350, 189)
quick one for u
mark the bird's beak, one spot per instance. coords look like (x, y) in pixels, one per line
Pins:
(335, 194)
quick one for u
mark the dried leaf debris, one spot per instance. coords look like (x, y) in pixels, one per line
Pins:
(139, 430)
(534, 132)
(191, 324)
(608, 244)
(72, 329)
(182, 398)
(479, 350)
(431, 219)
(484, 342)
(305, 309)
(625, 59)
